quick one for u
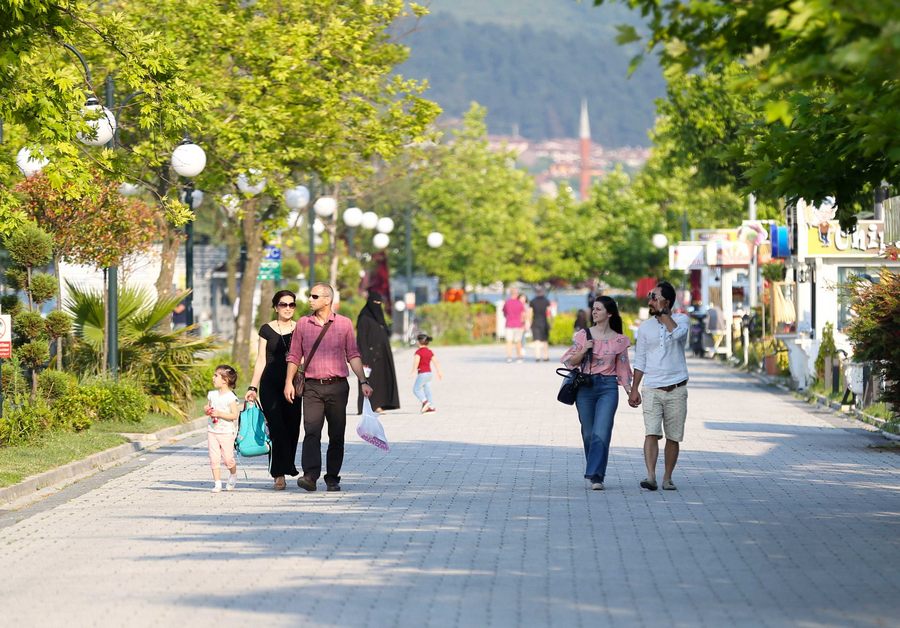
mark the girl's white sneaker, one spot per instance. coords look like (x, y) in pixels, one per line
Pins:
(232, 481)
(217, 487)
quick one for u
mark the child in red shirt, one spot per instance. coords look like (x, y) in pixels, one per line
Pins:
(423, 361)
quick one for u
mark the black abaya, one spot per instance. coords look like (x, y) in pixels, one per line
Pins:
(374, 340)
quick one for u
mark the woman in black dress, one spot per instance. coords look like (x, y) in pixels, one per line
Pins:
(374, 339)
(283, 418)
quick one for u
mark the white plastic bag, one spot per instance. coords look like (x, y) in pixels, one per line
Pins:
(370, 429)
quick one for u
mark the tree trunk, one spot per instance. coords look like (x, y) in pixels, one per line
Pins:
(333, 250)
(59, 341)
(171, 241)
(253, 238)
(233, 256)
(171, 238)
(263, 312)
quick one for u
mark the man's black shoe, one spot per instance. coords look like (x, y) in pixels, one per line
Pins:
(306, 484)
(333, 487)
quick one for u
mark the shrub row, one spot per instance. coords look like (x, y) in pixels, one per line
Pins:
(452, 323)
(64, 404)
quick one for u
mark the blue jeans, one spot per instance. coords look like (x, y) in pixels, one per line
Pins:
(596, 402)
(422, 387)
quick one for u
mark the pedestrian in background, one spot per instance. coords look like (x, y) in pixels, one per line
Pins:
(514, 315)
(526, 322)
(326, 390)
(222, 413)
(660, 364)
(423, 361)
(581, 320)
(602, 353)
(540, 325)
(374, 338)
(267, 385)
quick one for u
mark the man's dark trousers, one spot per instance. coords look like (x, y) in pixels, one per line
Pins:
(323, 402)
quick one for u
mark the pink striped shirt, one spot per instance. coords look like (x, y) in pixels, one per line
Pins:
(338, 346)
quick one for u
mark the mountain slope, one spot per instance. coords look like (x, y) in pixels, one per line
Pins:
(530, 63)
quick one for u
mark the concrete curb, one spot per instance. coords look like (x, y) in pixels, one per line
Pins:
(824, 402)
(79, 469)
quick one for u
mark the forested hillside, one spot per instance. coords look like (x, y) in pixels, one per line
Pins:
(530, 62)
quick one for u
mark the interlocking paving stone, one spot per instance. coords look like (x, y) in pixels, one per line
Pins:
(478, 516)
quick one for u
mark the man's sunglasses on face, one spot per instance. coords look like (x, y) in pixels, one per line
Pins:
(291, 305)
(652, 296)
(316, 296)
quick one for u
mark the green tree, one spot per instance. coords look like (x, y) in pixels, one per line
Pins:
(30, 248)
(481, 203)
(874, 331)
(302, 90)
(43, 89)
(823, 74)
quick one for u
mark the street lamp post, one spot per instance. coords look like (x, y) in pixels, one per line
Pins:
(324, 207)
(189, 160)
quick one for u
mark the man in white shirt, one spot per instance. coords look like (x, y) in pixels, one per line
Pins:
(660, 364)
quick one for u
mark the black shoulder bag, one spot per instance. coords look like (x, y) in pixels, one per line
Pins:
(573, 378)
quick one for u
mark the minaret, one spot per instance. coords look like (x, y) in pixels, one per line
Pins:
(584, 135)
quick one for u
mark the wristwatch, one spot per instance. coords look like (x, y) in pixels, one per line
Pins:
(365, 382)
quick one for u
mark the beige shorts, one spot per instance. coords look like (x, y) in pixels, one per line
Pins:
(513, 334)
(665, 410)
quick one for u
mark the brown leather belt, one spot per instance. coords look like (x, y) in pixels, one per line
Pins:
(325, 382)
(673, 386)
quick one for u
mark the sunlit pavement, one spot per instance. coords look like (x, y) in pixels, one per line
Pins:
(478, 516)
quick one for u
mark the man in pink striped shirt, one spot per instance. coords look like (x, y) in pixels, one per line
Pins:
(326, 391)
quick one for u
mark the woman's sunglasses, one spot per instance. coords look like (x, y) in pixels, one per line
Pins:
(287, 305)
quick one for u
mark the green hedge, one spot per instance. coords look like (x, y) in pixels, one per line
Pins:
(457, 323)
(74, 410)
(562, 328)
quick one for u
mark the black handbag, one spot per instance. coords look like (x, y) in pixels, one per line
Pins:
(573, 379)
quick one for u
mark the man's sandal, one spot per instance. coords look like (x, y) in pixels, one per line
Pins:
(649, 485)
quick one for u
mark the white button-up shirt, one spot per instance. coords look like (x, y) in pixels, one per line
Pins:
(659, 353)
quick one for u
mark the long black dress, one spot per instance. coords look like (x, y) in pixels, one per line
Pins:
(374, 340)
(282, 417)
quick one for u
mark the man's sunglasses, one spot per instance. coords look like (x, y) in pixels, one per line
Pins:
(287, 305)
(316, 296)
(652, 296)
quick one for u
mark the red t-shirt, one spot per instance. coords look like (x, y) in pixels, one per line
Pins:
(425, 354)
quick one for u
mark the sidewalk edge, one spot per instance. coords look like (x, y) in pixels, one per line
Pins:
(79, 469)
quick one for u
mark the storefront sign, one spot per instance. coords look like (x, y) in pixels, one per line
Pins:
(705, 235)
(727, 253)
(687, 255)
(827, 239)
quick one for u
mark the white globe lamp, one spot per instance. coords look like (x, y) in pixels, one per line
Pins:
(325, 206)
(129, 189)
(659, 240)
(30, 164)
(102, 123)
(188, 159)
(296, 198)
(353, 216)
(384, 225)
(381, 240)
(369, 220)
(318, 227)
(251, 183)
(435, 239)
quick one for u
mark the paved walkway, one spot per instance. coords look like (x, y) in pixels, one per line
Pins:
(785, 516)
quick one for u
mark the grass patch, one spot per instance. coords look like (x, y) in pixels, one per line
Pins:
(58, 448)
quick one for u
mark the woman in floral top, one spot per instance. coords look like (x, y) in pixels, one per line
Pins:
(597, 399)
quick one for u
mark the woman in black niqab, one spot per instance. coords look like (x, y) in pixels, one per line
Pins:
(374, 339)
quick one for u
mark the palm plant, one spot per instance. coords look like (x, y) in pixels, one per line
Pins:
(164, 362)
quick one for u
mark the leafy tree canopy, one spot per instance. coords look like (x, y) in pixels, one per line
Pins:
(824, 74)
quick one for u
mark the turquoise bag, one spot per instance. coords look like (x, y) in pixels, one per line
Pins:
(253, 433)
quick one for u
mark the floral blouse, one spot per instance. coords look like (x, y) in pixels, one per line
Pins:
(610, 357)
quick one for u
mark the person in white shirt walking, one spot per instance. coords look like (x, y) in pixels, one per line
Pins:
(659, 363)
